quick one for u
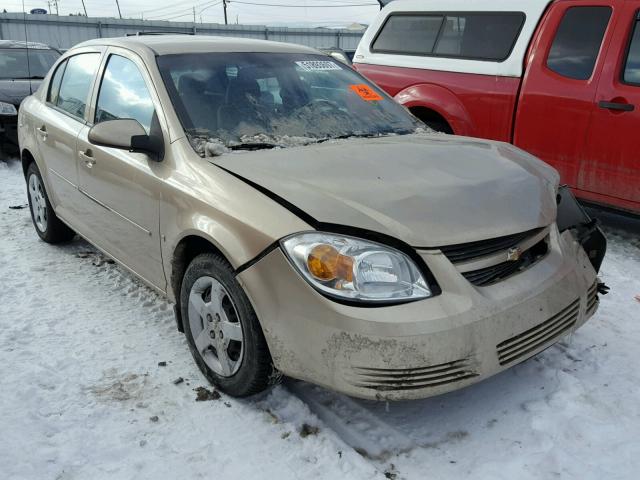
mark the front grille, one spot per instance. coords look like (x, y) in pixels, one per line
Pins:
(388, 379)
(592, 298)
(521, 345)
(468, 251)
(495, 273)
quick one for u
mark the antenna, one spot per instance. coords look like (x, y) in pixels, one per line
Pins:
(26, 45)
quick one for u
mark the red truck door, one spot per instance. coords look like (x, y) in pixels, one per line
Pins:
(610, 169)
(560, 82)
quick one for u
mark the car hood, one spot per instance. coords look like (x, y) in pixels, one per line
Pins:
(426, 190)
(14, 91)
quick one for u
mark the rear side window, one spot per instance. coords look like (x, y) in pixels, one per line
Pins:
(76, 83)
(631, 72)
(54, 86)
(410, 34)
(479, 36)
(124, 94)
(575, 48)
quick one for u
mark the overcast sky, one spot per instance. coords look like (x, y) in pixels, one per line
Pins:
(277, 12)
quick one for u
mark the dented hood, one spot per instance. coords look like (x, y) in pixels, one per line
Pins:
(426, 190)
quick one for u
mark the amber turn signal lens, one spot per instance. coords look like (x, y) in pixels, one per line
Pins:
(325, 263)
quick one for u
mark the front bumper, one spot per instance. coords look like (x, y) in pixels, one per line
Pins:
(428, 347)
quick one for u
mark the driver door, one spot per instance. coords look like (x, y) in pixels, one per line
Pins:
(123, 188)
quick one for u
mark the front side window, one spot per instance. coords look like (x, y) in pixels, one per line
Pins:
(277, 99)
(631, 73)
(575, 48)
(22, 63)
(483, 36)
(54, 85)
(124, 94)
(76, 83)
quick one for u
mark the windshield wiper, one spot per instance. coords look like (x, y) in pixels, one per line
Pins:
(32, 77)
(251, 146)
(348, 135)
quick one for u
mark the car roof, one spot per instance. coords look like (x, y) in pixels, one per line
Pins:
(23, 44)
(171, 44)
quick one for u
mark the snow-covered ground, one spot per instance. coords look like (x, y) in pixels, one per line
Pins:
(82, 394)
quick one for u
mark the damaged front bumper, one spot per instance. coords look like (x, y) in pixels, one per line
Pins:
(428, 347)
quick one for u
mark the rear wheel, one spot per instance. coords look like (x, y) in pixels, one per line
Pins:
(223, 332)
(48, 226)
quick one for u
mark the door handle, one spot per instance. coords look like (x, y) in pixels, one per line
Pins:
(89, 161)
(624, 107)
(43, 132)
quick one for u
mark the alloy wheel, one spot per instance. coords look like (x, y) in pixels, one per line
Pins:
(38, 203)
(215, 326)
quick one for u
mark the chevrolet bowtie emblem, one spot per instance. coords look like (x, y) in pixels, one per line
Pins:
(513, 254)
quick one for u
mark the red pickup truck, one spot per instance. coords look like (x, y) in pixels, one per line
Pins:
(558, 78)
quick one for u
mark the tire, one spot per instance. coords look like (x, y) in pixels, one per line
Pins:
(48, 226)
(212, 302)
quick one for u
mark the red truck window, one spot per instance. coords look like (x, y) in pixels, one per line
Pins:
(631, 72)
(479, 35)
(577, 42)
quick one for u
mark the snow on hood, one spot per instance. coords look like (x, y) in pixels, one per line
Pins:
(427, 190)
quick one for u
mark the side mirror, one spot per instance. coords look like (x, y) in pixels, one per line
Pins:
(341, 57)
(127, 134)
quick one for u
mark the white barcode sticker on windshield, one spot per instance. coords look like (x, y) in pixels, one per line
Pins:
(317, 65)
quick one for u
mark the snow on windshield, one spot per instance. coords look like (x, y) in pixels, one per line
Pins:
(272, 99)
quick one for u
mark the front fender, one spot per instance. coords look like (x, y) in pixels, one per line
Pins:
(440, 100)
(202, 200)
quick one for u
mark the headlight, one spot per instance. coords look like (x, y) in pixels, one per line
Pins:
(355, 269)
(7, 109)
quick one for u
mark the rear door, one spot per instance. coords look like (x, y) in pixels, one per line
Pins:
(123, 188)
(610, 170)
(560, 83)
(58, 122)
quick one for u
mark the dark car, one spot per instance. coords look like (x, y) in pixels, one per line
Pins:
(23, 65)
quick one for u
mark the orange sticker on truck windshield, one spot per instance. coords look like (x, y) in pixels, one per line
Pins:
(366, 92)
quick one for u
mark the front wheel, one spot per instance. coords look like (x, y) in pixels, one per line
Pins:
(48, 226)
(223, 332)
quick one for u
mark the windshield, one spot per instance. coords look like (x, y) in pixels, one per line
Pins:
(14, 65)
(275, 99)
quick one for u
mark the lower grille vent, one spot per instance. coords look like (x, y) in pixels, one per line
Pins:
(387, 379)
(521, 345)
(592, 298)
